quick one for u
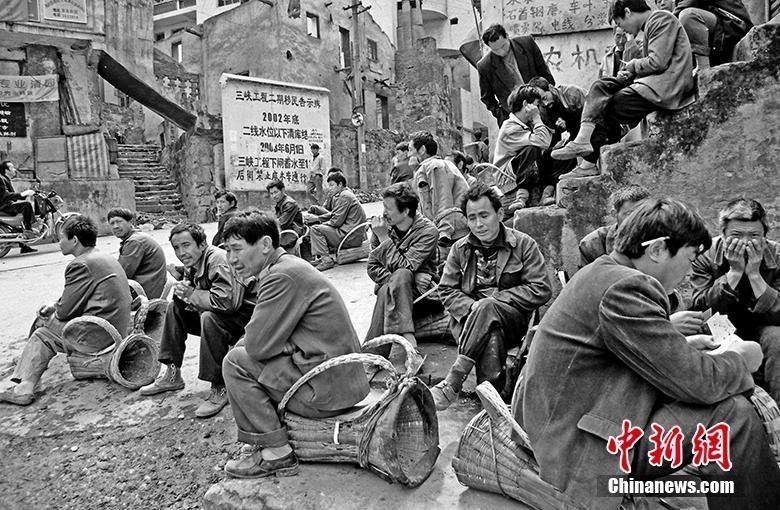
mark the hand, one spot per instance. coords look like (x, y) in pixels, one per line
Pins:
(310, 219)
(750, 351)
(46, 311)
(630, 67)
(529, 114)
(183, 290)
(687, 323)
(379, 228)
(755, 254)
(734, 252)
(423, 282)
(27, 193)
(701, 342)
(560, 124)
(624, 76)
(176, 271)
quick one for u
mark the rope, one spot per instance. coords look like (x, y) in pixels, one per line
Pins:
(495, 460)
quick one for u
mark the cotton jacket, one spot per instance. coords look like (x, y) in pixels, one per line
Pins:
(216, 287)
(513, 136)
(289, 215)
(347, 213)
(223, 219)
(440, 201)
(144, 261)
(415, 251)
(7, 193)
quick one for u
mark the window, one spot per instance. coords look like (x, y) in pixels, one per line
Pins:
(176, 30)
(223, 3)
(373, 51)
(382, 113)
(345, 54)
(159, 36)
(176, 51)
(313, 25)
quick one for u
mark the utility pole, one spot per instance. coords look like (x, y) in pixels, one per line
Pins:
(358, 105)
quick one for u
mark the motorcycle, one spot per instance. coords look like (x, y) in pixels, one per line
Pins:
(48, 224)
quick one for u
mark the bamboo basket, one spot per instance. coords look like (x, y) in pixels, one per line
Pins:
(137, 293)
(396, 436)
(150, 320)
(346, 252)
(434, 328)
(412, 360)
(767, 409)
(489, 459)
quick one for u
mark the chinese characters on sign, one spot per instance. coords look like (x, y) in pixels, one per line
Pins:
(73, 11)
(268, 129)
(523, 17)
(708, 445)
(13, 122)
(29, 89)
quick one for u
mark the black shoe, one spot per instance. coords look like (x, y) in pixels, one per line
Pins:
(254, 466)
(27, 249)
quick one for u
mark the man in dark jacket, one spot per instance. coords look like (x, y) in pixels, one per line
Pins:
(288, 213)
(402, 262)
(227, 206)
(299, 322)
(95, 284)
(13, 203)
(714, 27)
(493, 280)
(208, 301)
(139, 255)
(509, 64)
(606, 352)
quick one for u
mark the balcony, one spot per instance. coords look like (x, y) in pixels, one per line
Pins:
(169, 6)
(434, 10)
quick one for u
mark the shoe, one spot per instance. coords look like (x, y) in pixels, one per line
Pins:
(27, 249)
(325, 263)
(169, 380)
(18, 399)
(214, 403)
(571, 150)
(548, 196)
(443, 395)
(254, 466)
(581, 171)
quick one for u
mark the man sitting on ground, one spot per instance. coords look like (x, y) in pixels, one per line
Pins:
(440, 188)
(493, 281)
(347, 214)
(227, 207)
(606, 353)
(402, 261)
(139, 255)
(208, 301)
(299, 322)
(660, 80)
(740, 277)
(95, 284)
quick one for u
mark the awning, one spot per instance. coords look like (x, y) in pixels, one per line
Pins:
(118, 76)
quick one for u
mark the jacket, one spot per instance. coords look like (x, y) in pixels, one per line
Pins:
(144, 261)
(513, 136)
(223, 219)
(95, 284)
(711, 289)
(216, 287)
(664, 75)
(289, 215)
(520, 269)
(443, 190)
(300, 321)
(605, 352)
(568, 104)
(7, 193)
(347, 213)
(495, 83)
(415, 251)
(597, 243)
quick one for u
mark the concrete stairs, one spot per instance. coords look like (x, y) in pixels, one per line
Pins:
(156, 193)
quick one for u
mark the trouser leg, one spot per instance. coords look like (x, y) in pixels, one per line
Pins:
(218, 332)
(178, 323)
(23, 208)
(393, 309)
(769, 338)
(625, 107)
(697, 23)
(754, 469)
(323, 237)
(526, 167)
(41, 347)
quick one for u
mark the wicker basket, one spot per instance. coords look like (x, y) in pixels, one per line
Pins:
(489, 459)
(434, 328)
(346, 252)
(395, 437)
(770, 414)
(150, 320)
(136, 292)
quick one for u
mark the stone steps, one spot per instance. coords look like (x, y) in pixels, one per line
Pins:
(156, 193)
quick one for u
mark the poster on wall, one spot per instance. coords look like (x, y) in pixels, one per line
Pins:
(13, 122)
(72, 11)
(268, 128)
(29, 89)
(537, 17)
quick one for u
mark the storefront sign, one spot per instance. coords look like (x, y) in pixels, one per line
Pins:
(29, 89)
(13, 122)
(268, 128)
(526, 17)
(73, 11)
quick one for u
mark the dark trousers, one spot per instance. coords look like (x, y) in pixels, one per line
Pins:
(533, 166)
(769, 338)
(23, 208)
(254, 405)
(609, 104)
(754, 470)
(393, 308)
(487, 333)
(217, 331)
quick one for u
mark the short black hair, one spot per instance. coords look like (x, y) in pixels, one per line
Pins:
(743, 209)
(195, 230)
(276, 183)
(657, 218)
(229, 196)
(252, 226)
(402, 146)
(630, 193)
(4, 166)
(315, 146)
(338, 178)
(525, 93)
(458, 157)
(405, 197)
(334, 169)
(492, 33)
(82, 227)
(121, 212)
(478, 191)
(425, 138)
(539, 82)
(619, 8)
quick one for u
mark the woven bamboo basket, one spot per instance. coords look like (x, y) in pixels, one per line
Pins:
(767, 409)
(491, 175)
(434, 328)
(150, 320)
(412, 359)
(347, 252)
(396, 436)
(489, 459)
(136, 292)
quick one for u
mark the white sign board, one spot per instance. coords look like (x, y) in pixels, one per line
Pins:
(74, 11)
(523, 17)
(574, 59)
(268, 128)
